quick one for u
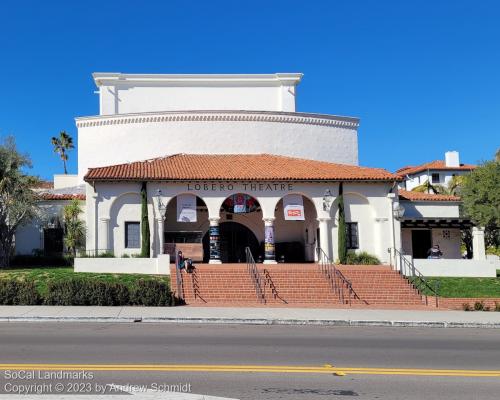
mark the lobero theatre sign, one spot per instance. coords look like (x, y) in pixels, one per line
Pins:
(240, 186)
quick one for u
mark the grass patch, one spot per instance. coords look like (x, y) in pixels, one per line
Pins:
(466, 287)
(43, 276)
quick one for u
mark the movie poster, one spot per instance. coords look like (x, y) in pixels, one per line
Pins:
(186, 208)
(293, 207)
(214, 243)
(240, 204)
(269, 243)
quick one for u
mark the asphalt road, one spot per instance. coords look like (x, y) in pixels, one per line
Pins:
(378, 363)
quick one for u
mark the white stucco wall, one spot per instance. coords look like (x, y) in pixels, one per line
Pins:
(147, 266)
(445, 176)
(449, 246)
(428, 209)
(366, 203)
(112, 140)
(135, 93)
(457, 268)
(62, 181)
(29, 237)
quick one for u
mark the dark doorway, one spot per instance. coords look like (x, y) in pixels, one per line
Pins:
(234, 237)
(53, 241)
(421, 242)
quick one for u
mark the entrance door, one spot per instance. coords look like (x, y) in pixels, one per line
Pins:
(421, 242)
(234, 237)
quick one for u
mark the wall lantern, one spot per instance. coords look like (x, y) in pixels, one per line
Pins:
(398, 211)
(327, 200)
(161, 206)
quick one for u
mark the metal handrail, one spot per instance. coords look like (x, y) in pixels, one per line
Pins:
(407, 268)
(255, 276)
(336, 278)
(272, 286)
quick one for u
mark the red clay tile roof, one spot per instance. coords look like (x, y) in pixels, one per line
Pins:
(238, 167)
(417, 196)
(433, 165)
(62, 196)
(44, 185)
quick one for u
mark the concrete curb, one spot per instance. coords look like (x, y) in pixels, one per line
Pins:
(261, 321)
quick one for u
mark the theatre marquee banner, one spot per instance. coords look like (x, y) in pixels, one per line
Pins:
(186, 208)
(293, 206)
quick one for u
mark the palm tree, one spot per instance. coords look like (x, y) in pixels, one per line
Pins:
(74, 227)
(453, 188)
(61, 144)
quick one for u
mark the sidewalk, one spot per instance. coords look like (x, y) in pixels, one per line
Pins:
(252, 316)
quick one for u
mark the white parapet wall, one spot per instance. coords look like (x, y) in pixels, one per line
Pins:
(146, 266)
(457, 268)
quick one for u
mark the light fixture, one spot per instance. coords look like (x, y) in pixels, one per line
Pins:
(327, 200)
(398, 211)
(162, 207)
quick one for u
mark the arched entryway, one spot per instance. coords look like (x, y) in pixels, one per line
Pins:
(234, 238)
(295, 229)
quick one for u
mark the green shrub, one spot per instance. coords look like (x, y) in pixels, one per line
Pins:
(479, 306)
(497, 306)
(22, 293)
(106, 254)
(84, 292)
(362, 258)
(466, 307)
(151, 293)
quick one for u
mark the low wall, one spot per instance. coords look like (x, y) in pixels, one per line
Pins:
(457, 268)
(148, 266)
(457, 303)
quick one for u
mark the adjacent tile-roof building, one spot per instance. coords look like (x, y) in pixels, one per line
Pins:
(437, 165)
(418, 196)
(237, 167)
(69, 193)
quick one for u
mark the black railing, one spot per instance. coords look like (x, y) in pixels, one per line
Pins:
(407, 268)
(95, 253)
(269, 281)
(255, 276)
(338, 282)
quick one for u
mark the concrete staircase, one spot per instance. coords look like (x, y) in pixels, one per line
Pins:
(294, 285)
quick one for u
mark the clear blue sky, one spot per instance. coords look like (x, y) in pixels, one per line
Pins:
(423, 76)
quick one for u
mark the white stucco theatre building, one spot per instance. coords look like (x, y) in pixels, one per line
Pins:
(227, 162)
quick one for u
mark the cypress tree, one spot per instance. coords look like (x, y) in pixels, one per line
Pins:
(145, 252)
(342, 233)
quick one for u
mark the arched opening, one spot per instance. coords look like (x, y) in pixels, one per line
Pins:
(361, 232)
(185, 229)
(234, 238)
(240, 226)
(296, 229)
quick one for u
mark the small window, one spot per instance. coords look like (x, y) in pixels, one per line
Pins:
(352, 235)
(132, 235)
(435, 178)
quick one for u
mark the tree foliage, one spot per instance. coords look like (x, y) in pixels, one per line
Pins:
(62, 144)
(481, 198)
(342, 230)
(17, 199)
(145, 234)
(453, 188)
(74, 227)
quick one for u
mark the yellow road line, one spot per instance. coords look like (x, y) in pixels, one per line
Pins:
(325, 369)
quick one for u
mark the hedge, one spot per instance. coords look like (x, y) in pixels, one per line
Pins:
(86, 292)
